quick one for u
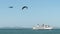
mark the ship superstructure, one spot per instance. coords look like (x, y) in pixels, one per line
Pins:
(43, 26)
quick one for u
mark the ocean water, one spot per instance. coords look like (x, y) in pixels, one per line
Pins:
(29, 31)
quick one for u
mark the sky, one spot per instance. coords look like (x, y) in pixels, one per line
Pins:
(38, 12)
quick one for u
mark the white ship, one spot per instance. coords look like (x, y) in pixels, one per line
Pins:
(42, 27)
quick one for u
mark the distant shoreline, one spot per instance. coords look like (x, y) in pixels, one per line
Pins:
(17, 28)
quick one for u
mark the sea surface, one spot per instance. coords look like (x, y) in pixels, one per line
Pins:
(29, 31)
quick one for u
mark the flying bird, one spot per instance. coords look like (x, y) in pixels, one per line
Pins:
(24, 7)
(11, 7)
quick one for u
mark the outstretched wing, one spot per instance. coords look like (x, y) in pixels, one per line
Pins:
(11, 7)
(24, 7)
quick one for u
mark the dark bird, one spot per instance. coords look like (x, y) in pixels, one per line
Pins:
(24, 7)
(11, 7)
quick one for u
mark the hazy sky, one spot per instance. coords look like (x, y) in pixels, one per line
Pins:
(38, 12)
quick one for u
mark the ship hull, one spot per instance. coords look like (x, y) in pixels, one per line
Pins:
(42, 28)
